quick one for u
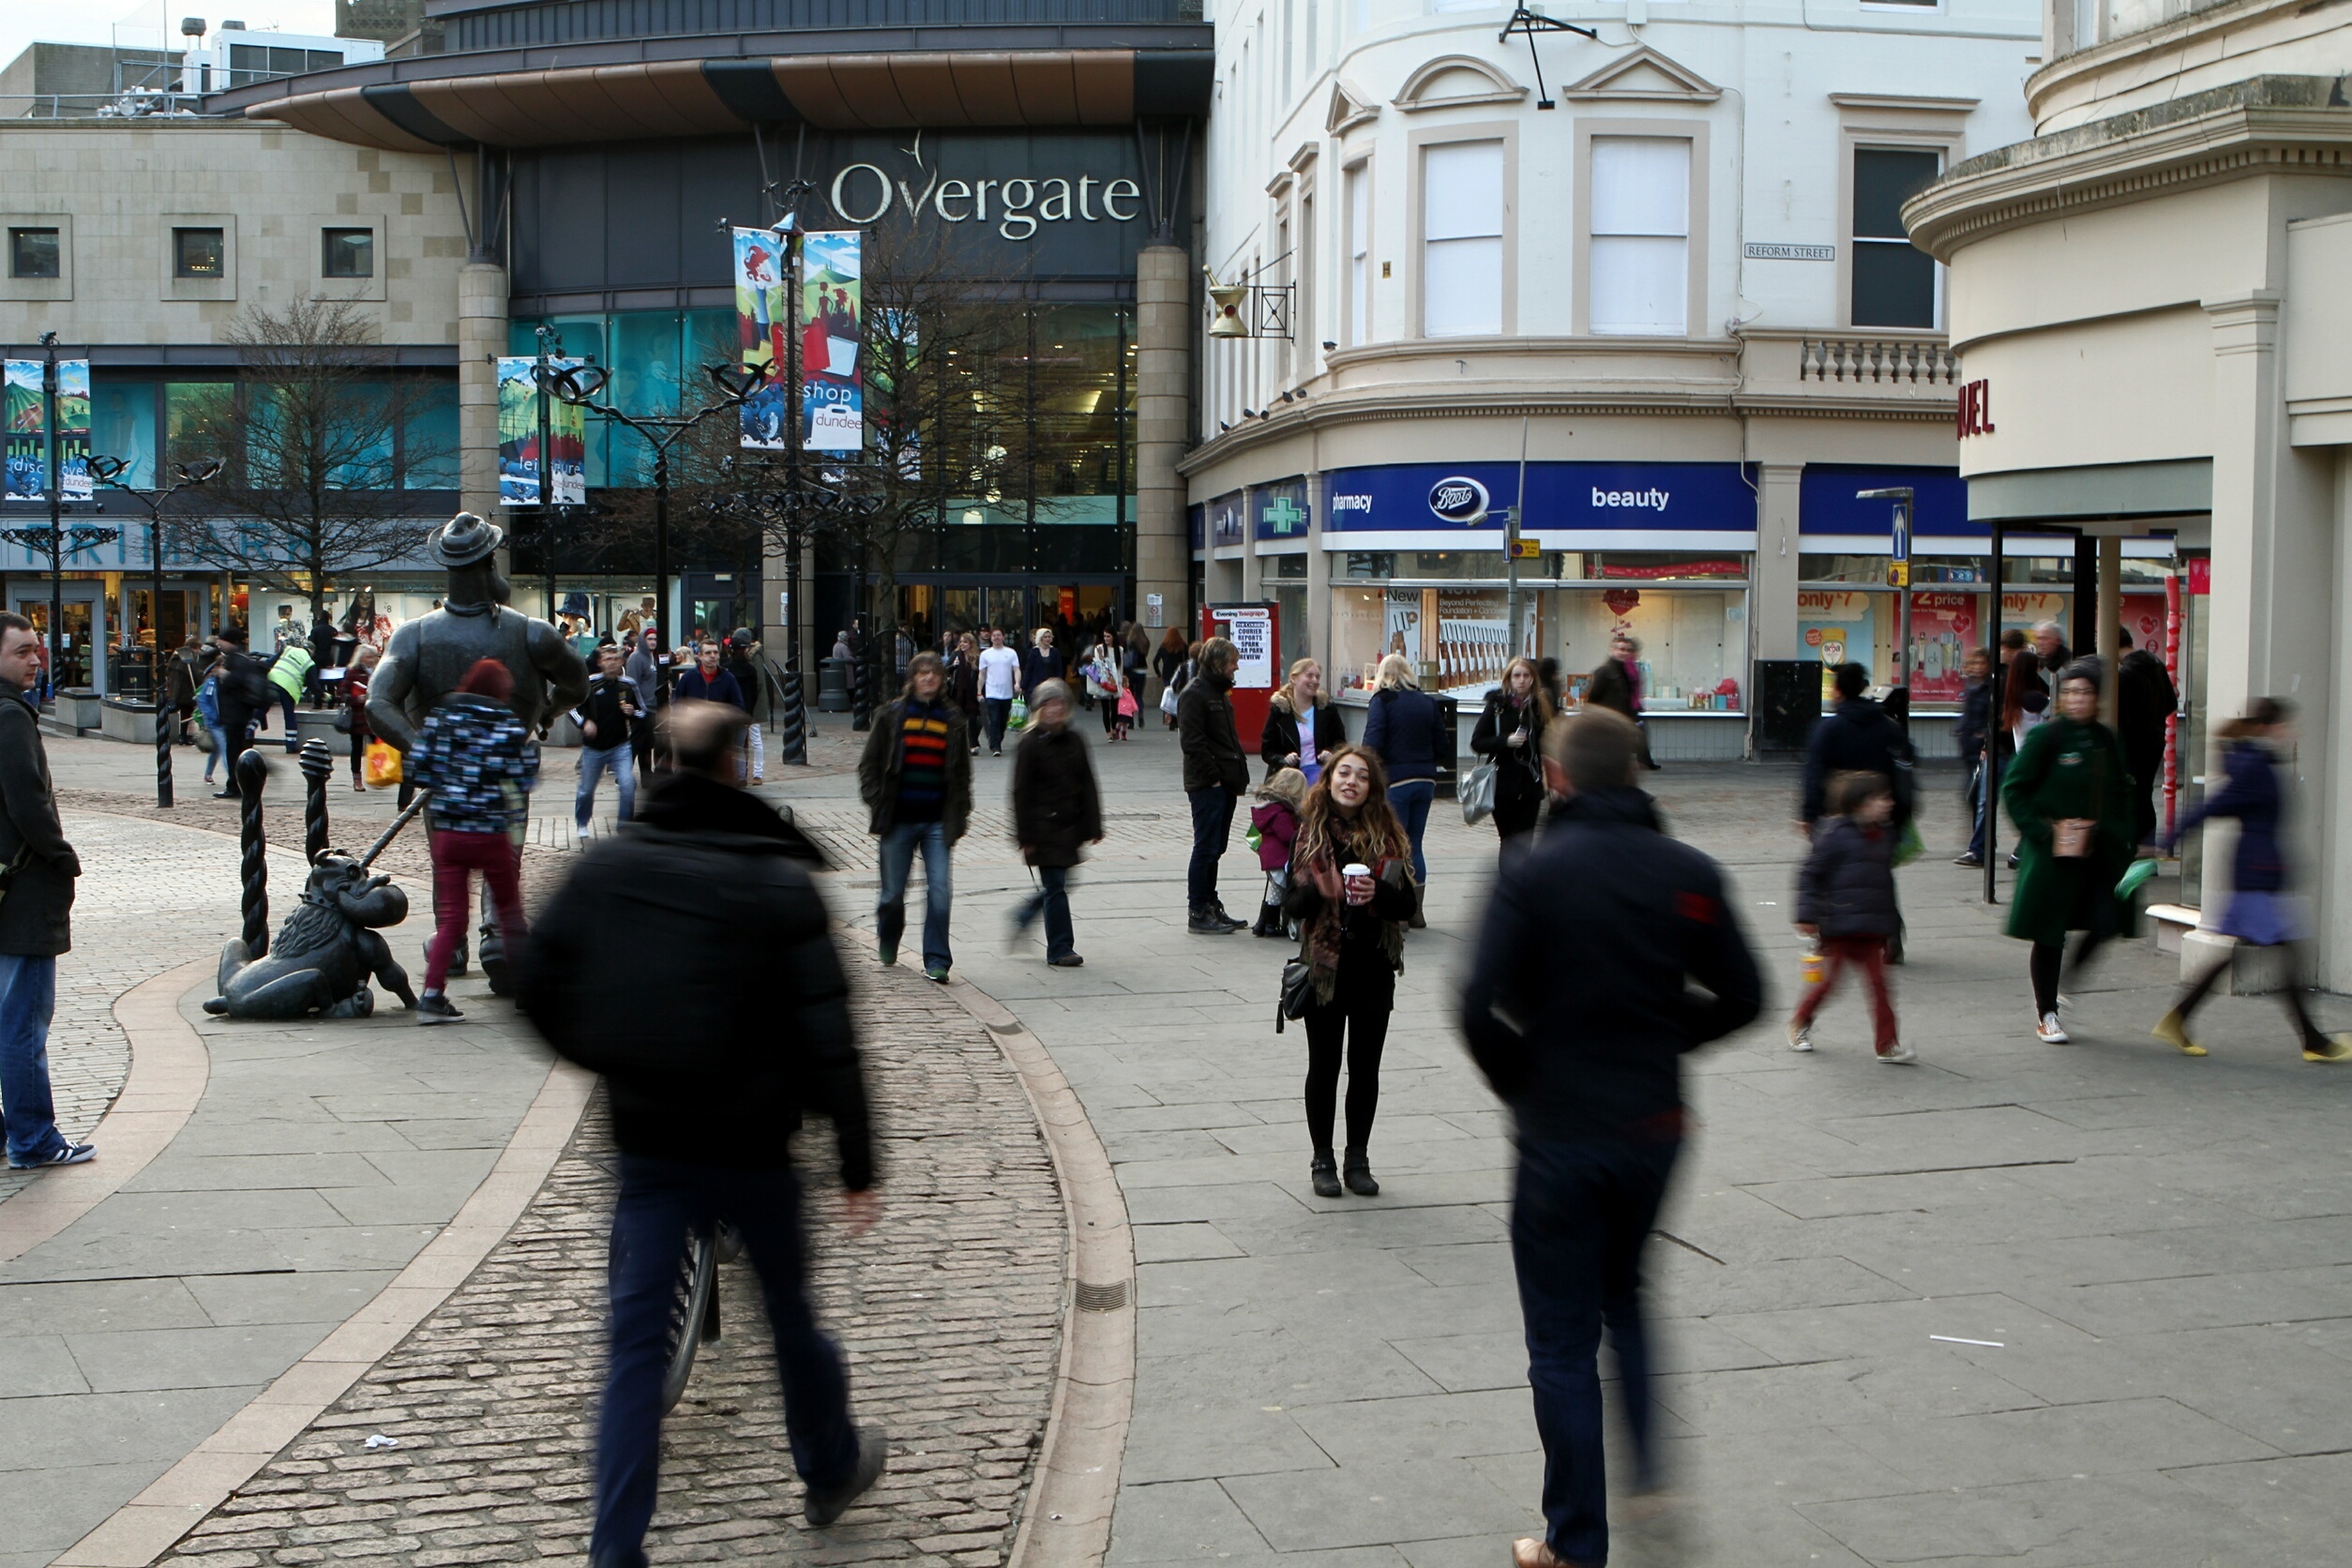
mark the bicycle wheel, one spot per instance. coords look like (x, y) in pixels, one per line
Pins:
(690, 1302)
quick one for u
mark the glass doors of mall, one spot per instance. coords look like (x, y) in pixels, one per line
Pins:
(932, 612)
(85, 627)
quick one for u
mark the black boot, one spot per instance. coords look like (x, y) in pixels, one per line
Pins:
(1269, 921)
(1204, 922)
(1325, 1172)
(1360, 1179)
(1420, 894)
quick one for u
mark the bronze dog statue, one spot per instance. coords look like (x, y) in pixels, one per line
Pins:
(325, 953)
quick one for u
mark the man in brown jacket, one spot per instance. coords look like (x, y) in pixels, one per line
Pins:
(38, 867)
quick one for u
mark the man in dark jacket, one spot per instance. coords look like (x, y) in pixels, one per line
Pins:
(2147, 698)
(608, 718)
(1969, 733)
(915, 779)
(243, 697)
(707, 1086)
(1216, 772)
(1858, 737)
(1591, 1074)
(1057, 812)
(36, 917)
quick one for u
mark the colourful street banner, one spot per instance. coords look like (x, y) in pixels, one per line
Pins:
(25, 417)
(832, 306)
(518, 436)
(760, 324)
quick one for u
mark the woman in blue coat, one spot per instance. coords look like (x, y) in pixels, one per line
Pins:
(2260, 912)
(1406, 729)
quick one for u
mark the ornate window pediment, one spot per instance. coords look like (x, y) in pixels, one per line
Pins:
(1643, 76)
(1349, 110)
(1455, 81)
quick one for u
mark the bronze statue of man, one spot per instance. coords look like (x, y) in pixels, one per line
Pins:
(431, 653)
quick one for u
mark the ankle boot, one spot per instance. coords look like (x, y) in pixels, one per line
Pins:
(1269, 921)
(1325, 1174)
(1360, 1179)
(1421, 895)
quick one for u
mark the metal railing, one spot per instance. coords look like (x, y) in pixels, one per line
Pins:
(99, 106)
(1882, 361)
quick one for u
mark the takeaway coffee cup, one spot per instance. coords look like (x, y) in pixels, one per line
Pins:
(1359, 878)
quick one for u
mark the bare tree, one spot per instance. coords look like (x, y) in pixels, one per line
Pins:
(320, 431)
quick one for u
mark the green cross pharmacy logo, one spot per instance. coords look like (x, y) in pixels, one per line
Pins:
(1284, 517)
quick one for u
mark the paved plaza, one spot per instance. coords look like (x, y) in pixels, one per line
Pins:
(2058, 1306)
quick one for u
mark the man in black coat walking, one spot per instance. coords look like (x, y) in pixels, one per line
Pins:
(2148, 700)
(1057, 812)
(244, 697)
(1216, 771)
(707, 1083)
(36, 917)
(1592, 1071)
(1859, 737)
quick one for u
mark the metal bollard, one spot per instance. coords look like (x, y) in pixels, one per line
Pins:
(165, 721)
(318, 766)
(252, 775)
(792, 739)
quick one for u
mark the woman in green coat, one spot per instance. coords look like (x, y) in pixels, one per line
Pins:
(2068, 788)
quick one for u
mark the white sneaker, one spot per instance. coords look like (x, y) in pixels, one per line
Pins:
(1899, 1055)
(2049, 1032)
(1800, 1036)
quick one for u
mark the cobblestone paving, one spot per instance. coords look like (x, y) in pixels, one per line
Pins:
(150, 897)
(950, 1315)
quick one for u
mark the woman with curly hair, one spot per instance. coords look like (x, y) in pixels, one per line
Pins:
(1351, 892)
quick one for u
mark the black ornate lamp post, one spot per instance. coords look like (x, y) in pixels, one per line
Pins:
(579, 387)
(50, 541)
(109, 472)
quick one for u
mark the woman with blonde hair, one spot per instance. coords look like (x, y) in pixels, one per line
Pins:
(1406, 729)
(1509, 734)
(1301, 728)
(1351, 893)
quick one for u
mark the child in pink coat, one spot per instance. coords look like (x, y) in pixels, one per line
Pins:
(1276, 822)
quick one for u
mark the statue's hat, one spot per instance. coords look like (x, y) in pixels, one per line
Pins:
(465, 539)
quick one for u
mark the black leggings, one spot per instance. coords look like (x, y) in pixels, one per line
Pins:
(2292, 996)
(1362, 1020)
(2048, 961)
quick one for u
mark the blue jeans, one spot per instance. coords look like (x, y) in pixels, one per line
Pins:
(1052, 900)
(660, 1202)
(1985, 791)
(1212, 828)
(890, 905)
(1412, 801)
(594, 761)
(28, 994)
(1000, 712)
(1579, 1213)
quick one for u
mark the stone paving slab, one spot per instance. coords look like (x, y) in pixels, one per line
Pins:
(950, 1314)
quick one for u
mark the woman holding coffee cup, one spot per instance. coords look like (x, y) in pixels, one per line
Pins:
(1351, 893)
(2070, 793)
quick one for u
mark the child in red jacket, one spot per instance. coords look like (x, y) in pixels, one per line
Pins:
(1273, 825)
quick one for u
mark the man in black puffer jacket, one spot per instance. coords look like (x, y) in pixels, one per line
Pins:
(1859, 737)
(708, 1078)
(1579, 1007)
(1215, 773)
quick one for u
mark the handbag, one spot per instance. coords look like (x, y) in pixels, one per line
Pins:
(343, 719)
(1298, 991)
(1478, 794)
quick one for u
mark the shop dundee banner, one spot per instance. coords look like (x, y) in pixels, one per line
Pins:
(832, 414)
(27, 430)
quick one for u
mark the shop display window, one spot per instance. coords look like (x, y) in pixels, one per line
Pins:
(1649, 565)
(1457, 638)
(1693, 641)
(122, 424)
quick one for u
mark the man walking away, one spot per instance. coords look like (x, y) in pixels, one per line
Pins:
(754, 1025)
(479, 762)
(1057, 812)
(1859, 737)
(2147, 699)
(608, 718)
(999, 682)
(1591, 1073)
(1216, 772)
(244, 696)
(915, 779)
(35, 915)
